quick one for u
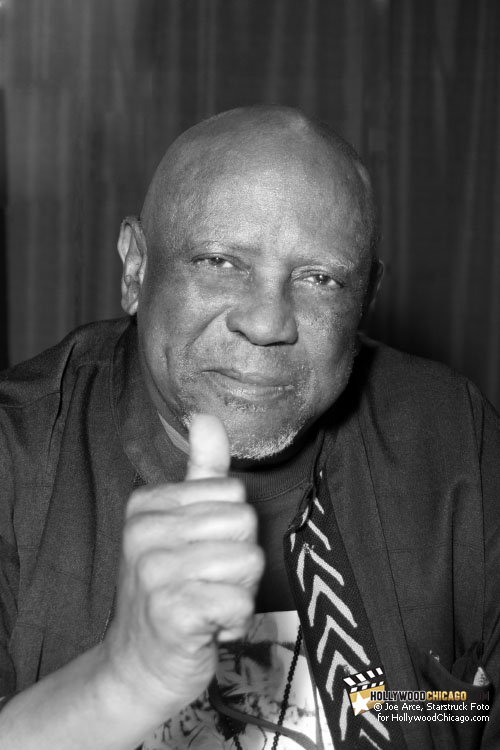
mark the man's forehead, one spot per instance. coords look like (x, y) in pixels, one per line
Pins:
(262, 145)
(265, 199)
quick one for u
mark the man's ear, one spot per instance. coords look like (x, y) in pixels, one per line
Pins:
(376, 276)
(133, 253)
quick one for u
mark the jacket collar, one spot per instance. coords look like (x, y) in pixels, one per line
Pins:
(355, 505)
(142, 435)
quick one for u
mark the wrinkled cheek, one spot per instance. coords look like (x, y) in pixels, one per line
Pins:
(164, 334)
(334, 367)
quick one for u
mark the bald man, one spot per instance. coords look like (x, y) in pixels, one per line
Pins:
(227, 515)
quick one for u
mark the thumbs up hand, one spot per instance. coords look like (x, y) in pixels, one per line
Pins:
(209, 456)
(189, 572)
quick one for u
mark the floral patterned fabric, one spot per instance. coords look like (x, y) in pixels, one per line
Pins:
(252, 677)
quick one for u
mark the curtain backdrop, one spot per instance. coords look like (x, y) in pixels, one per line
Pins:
(93, 92)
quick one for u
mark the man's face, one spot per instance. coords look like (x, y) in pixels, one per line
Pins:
(252, 315)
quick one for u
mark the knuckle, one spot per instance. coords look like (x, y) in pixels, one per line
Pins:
(134, 528)
(258, 559)
(237, 489)
(244, 605)
(181, 605)
(132, 535)
(248, 516)
(253, 563)
(145, 498)
(157, 608)
(148, 566)
(143, 568)
(139, 532)
(136, 501)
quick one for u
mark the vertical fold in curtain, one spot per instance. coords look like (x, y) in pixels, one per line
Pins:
(207, 45)
(474, 166)
(308, 78)
(3, 231)
(376, 144)
(444, 134)
(3, 202)
(492, 382)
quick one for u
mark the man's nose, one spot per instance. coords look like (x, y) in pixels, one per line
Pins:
(264, 316)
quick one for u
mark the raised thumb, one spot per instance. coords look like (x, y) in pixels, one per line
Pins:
(209, 454)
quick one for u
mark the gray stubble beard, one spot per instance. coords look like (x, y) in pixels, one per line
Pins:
(255, 448)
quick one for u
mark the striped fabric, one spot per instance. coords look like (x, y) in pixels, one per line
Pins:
(337, 633)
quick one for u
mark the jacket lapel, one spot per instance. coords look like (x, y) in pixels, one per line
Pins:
(355, 507)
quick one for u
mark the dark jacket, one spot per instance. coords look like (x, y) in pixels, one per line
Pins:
(414, 476)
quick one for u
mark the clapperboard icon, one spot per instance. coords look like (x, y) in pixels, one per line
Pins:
(360, 685)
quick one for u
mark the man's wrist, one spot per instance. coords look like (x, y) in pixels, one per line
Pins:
(123, 691)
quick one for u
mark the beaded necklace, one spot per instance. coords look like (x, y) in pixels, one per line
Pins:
(284, 702)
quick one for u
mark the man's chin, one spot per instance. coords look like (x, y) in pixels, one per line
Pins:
(251, 439)
(260, 448)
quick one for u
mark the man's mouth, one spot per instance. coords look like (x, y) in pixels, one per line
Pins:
(249, 385)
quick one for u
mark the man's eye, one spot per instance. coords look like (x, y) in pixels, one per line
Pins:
(214, 261)
(322, 280)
